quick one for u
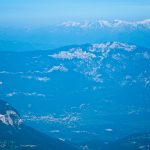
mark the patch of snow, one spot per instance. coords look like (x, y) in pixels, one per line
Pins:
(12, 73)
(26, 94)
(102, 47)
(62, 139)
(33, 94)
(28, 146)
(109, 130)
(4, 72)
(73, 53)
(10, 118)
(58, 68)
(11, 94)
(62, 119)
(142, 147)
(146, 55)
(71, 24)
(55, 131)
(44, 79)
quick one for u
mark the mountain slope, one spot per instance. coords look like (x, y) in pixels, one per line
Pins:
(86, 92)
(131, 142)
(14, 135)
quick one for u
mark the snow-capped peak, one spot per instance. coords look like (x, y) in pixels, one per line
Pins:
(108, 24)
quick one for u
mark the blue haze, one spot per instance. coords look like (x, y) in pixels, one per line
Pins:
(43, 12)
(68, 87)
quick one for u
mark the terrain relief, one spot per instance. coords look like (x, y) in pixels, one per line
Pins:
(93, 96)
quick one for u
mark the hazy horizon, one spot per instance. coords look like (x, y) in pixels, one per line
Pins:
(44, 12)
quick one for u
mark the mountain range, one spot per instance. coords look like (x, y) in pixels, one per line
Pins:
(80, 93)
(114, 24)
(28, 38)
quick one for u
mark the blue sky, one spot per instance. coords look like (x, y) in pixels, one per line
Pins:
(44, 12)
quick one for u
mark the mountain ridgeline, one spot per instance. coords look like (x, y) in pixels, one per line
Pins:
(72, 32)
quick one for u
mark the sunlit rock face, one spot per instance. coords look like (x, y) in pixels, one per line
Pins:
(9, 115)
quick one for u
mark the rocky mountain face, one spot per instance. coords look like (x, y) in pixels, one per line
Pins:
(14, 135)
(9, 115)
